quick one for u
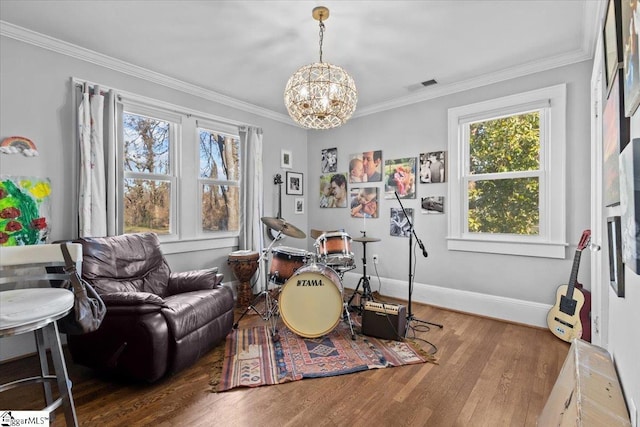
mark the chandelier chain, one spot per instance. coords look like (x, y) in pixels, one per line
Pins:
(321, 37)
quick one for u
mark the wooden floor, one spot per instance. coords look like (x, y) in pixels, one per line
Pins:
(491, 373)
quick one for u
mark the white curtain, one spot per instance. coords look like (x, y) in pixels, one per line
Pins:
(252, 200)
(96, 133)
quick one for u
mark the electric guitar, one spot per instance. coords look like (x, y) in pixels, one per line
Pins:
(570, 315)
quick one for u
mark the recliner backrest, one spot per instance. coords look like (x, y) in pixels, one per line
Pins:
(126, 263)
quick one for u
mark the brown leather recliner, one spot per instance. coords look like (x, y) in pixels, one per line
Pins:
(157, 322)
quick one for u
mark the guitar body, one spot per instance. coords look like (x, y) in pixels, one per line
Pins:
(564, 317)
(585, 313)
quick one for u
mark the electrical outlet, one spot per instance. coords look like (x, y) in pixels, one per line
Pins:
(375, 258)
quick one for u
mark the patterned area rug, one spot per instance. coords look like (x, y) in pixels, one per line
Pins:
(252, 359)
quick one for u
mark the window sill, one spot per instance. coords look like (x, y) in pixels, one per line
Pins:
(532, 249)
(194, 245)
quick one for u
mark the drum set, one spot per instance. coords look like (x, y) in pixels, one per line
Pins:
(308, 293)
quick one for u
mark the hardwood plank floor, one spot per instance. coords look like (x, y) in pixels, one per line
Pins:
(491, 373)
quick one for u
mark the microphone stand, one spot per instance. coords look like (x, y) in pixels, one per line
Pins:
(412, 233)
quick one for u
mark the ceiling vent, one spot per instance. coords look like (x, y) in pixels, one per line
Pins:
(429, 82)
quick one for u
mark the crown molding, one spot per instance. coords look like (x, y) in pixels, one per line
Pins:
(50, 43)
(476, 82)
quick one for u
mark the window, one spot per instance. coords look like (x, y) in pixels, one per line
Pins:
(179, 177)
(149, 184)
(219, 181)
(507, 175)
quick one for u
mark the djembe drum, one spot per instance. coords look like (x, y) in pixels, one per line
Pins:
(244, 264)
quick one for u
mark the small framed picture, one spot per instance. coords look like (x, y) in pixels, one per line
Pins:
(616, 266)
(329, 160)
(286, 159)
(298, 205)
(294, 183)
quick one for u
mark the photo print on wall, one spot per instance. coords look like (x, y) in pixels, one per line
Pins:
(432, 167)
(329, 162)
(432, 205)
(364, 202)
(372, 164)
(333, 190)
(399, 225)
(400, 177)
(356, 169)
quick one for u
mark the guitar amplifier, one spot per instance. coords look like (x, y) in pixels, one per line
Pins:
(384, 320)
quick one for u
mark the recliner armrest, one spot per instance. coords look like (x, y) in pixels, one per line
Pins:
(196, 280)
(131, 299)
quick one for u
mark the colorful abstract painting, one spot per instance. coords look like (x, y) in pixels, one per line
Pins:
(24, 210)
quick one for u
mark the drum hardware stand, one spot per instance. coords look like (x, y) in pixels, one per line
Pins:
(270, 303)
(412, 233)
(364, 280)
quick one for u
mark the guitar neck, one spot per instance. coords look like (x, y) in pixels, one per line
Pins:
(574, 273)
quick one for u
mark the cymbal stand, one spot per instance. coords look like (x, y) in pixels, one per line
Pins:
(364, 281)
(270, 303)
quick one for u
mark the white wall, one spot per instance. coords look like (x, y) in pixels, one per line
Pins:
(35, 102)
(512, 287)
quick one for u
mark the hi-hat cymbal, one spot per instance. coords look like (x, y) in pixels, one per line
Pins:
(365, 239)
(287, 229)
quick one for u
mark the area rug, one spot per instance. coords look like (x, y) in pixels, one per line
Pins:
(252, 359)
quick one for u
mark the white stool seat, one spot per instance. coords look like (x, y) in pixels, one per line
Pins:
(36, 310)
(23, 310)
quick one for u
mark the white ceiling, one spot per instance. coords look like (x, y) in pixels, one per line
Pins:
(247, 50)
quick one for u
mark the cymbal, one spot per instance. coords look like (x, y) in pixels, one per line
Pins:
(279, 224)
(314, 234)
(365, 239)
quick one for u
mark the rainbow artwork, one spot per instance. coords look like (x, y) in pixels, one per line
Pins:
(24, 210)
(18, 144)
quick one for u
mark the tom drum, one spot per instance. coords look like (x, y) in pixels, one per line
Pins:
(284, 262)
(334, 249)
(311, 301)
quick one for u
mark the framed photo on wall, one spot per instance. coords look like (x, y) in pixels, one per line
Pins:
(616, 267)
(612, 37)
(630, 58)
(630, 204)
(294, 183)
(286, 159)
(615, 128)
(298, 205)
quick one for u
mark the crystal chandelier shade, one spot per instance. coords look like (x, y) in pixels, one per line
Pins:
(320, 95)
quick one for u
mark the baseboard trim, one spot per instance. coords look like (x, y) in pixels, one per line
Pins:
(509, 309)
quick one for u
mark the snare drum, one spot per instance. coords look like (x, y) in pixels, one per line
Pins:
(311, 301)
(334, 249)
(284, 262)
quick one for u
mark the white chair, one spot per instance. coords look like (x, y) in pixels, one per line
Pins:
(25, 308)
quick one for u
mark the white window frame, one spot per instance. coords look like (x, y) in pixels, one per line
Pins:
(222, 129)
(186, 234)
(173, 174)
(551, 241)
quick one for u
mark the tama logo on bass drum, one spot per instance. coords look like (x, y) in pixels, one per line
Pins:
(307, 282)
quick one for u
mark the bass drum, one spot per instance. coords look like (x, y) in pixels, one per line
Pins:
(311, 301)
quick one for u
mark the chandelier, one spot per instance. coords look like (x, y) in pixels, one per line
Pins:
(320, 95)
